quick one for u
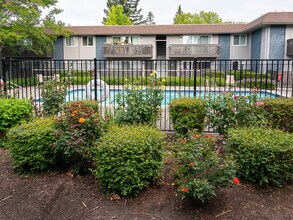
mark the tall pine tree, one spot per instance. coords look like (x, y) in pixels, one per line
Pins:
(130, 9)
(150, 19)
(178, 13)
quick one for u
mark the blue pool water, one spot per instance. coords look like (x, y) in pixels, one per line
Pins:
(80, 94)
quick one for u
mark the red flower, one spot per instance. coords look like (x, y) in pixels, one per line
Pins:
(196, 136)
(186, 190)
(236, 97)
(236, 180)
(182, 140)
(191, 164)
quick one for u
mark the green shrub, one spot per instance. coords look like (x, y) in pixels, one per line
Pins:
(14, 111)
(264, 156)
(129, 158)
(188, 114)
(53, 96)
(31, 146)
(137, 105)
(203, 167)
(256, 84)
(79, 126)
(280, 113)
(228, 110)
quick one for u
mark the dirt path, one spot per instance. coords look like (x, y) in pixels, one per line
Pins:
(58, 196)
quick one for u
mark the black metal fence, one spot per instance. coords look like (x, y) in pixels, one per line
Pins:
(102, 80)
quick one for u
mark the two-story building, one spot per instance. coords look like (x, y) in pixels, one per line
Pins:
(268, 37)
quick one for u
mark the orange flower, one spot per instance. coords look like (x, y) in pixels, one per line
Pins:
(81, 120)
(209, 135)
(186, 190)
(72, 115)
(196, 136)
(236, 180)
(182, 140)
(191, 164)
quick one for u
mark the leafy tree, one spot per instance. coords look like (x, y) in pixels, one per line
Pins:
(150, 19)
(116, 16)
(201, 18)
(23, 25)
(129, 7)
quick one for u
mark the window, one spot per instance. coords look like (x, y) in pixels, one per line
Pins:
(125, 39)
(72, 41)
(197, 39)
(240, 40)
(88, 41)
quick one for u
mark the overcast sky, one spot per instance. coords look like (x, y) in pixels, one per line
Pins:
(91, 12)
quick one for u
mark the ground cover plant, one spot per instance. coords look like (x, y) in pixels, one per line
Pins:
(129, 158)
(264, 156)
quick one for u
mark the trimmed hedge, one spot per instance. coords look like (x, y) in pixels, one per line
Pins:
(13, 112)
(188, 114)
(280, 113)
(264, 156)
(31, 146)
(129, 158)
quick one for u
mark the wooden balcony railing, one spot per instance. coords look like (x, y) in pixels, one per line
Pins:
(194, 50)
(127, 51)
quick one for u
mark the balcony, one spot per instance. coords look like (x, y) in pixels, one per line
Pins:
(194, 50)
(128, 51)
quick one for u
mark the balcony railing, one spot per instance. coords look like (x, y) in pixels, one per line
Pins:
(128, 51)
(194, 50)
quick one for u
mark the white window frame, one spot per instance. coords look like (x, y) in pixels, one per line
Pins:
(87, 41)
(129, 37)
(71, 39)
(239, 41)
(193, 37)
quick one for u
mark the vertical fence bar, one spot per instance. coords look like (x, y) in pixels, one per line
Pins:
(194, 77)
(4, 75)
(95, 79)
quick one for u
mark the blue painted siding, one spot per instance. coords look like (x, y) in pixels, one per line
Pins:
(59, 49)
(277, 42)
(100, 41)
(59, 52)
(224, 41)
(256, 44)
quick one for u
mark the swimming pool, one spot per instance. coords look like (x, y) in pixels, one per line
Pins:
(169, 95)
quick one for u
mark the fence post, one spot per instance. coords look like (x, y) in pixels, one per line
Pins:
(194, 77)
(95, 78)
(4, 75)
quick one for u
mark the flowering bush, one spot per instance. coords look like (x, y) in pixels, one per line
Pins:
(140, 106)
(229, 111)
(53, 96)
(79, 126)
(203, 166)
